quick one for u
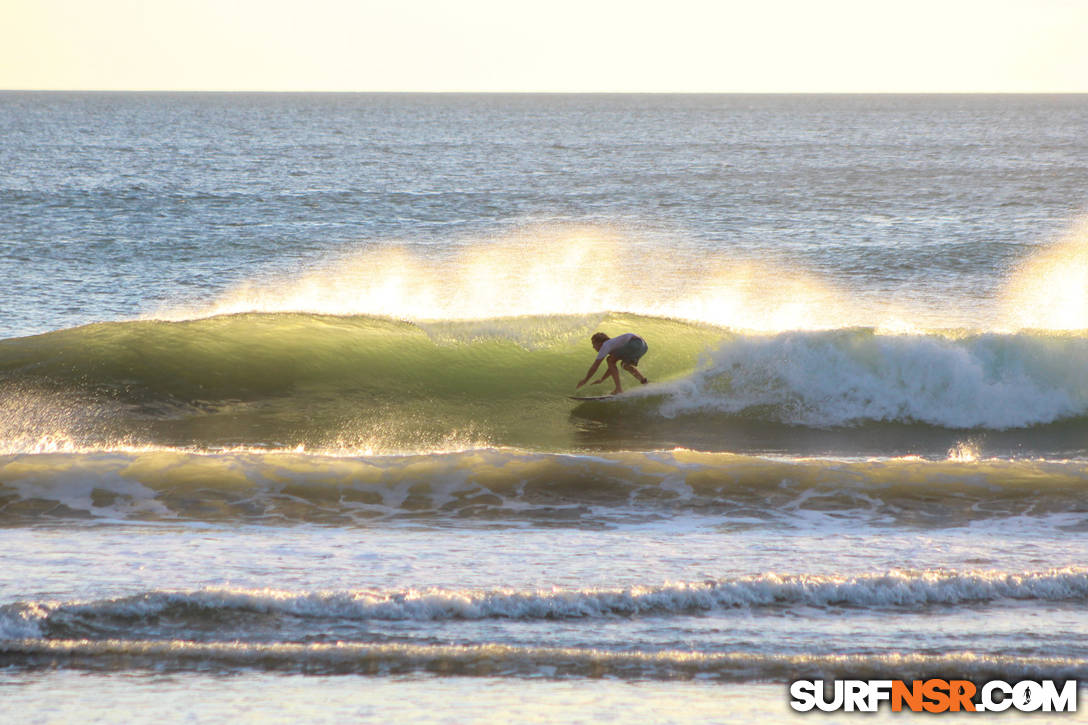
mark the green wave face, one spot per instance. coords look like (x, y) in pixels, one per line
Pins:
(322, 381)
(366, 384)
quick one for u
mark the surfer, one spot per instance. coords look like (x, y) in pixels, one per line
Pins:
(628, 348)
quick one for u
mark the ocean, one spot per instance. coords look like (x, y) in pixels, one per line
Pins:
(285, 431)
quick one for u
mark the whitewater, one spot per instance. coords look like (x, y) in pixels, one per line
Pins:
(284, 379)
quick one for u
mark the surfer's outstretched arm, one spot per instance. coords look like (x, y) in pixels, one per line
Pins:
(592, 369)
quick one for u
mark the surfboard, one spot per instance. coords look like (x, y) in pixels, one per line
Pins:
(584, 398)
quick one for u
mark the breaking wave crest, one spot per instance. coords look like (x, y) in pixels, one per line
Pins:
(896, 589)
(852, 377)
(229, 629)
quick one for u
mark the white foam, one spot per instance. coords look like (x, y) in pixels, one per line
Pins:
(22, 621)
(847, 377)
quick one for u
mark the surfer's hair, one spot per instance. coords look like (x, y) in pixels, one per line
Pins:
(598, 338)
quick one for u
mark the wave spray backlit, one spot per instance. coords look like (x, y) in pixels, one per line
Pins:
(1050, 290)
(547, 271)
(542, 272)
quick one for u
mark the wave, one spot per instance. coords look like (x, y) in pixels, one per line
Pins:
(898, 590)
(503, 485)
(231, 629)
(506, 661)
(494, 660)
(849, 377)
(277, 380)
(280, 380)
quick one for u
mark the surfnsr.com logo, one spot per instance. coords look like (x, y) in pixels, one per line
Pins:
(934, 695)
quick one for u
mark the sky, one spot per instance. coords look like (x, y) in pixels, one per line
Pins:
(758, 46)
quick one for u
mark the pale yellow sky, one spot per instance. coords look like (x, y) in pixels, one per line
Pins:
(558, 45)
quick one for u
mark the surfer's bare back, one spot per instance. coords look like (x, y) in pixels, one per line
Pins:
(627, 348)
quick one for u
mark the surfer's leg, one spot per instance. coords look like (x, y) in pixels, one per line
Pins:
(614, 373)
(630, 367)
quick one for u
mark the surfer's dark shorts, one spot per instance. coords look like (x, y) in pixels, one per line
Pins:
(633, 351)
